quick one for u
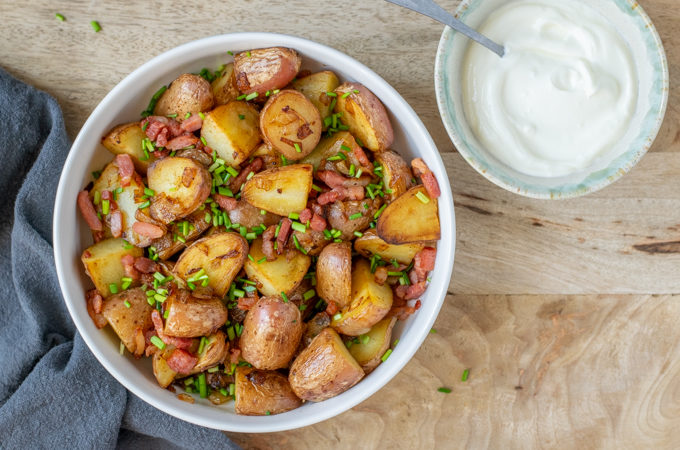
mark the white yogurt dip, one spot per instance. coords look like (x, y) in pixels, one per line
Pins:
(562, 95)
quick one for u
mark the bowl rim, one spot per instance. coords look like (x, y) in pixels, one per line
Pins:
(567, 190)
(412, 126)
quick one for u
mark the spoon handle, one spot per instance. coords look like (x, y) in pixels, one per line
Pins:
(431, 9)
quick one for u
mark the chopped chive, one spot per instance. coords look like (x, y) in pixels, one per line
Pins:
(352, 170)
(356, 91)
(149, 192)
(105, 207)
(125, 283)
(377, 214)
(386, 355)
(263, 212)
(276, 91)
(146, 204)
(241, 116)
(250, 175)
(309, 294)
(297, 147)
(358, 233)
(172, 116)
(355, 216)
(213, 369)
(201, 345)
(251, 236)
(422, 197)
(298, 246)
(60, 17)
(297, 226)
(127, 245)
(97, 197)
(338, 316)
(445, 390)
(231, 334)
(155, 340)
(346, 94)
(250, 257)
(261, 260)
(248, 53)
(284, 297)
(95, 26)
(316, 188)
(359, 142)
(231, 171)
(433, 330)
(241, 97)
(187, 115)
(202, 386)
(201, 115)
(364, 339)
(331, 94)
(152, 103)
(267, 413)
(466, 373)
(113, 288)
(302, 307)
(251, 96)
(127, 304)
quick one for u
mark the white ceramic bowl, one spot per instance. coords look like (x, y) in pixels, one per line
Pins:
(638, 32)
(71, 235)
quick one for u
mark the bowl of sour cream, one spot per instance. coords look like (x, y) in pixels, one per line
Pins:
(577, 99)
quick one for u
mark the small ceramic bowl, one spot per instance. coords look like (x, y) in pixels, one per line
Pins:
(71, 235)
(639, 33)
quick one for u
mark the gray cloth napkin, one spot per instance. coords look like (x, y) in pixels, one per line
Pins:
(53, 392)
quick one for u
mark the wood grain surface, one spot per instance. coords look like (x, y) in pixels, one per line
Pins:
(563, 311)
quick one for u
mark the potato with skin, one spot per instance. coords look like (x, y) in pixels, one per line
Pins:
(265, 69)
(283, 274)
(339, 214)
(334, 273)
(397, 175)
(127, 321)
(330, 146)
(281, 191)
(370, 302)
(181, 185)
(224, 87)
(408, 219)
(221, 255)
(291, 124)
(370, 244)
(214, 352)
(271, 333)
(128, 199)
(271, 157)
(233, 131)
(163, 373)
(373, 345)
(365, 116)
(313, 242)
(261, 393)
(166, 246)
(324, 369)
(315, 87)
(127, 139)
(191, 317)
(102, 263)
(250, 217)
(189, 93)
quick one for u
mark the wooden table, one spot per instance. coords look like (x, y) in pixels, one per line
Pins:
(565, 312)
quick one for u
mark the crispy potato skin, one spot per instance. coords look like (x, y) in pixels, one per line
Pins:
(289, 118)
(407, 219)
(339, 213)
(324, 369)
(224, 87)
(370, 244)
(283, 274)
(233, 131)
(265, 69)
(259, 392)
(221, 255)
(102, 263)
(214, 352)
(315, 86)
(271, 333)
(334, 273)
(126, 321)
(281, 191)
(193, 317)
(163, 373)
(397, 174)
(365, 115)
(127, 138)
(369, 355)
(249, 216)
(181, 186)
(189, 93)
(370, 302)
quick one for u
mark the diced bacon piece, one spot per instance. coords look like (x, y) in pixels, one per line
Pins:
(329, 197)
(153, 128)
(317, 209)
(107, 195)
(284, 231)
(181, 343)
(126, 168)
(234, 354)
(415, 290)
(268, 243)
(255, 166)
(246, 303)
(145, 265)
(332, 179)
(116, 223)
(354, 193)
(305, 215)
(424, 262)
(400, 291)
(162, 138)
(380, 275)
(332, 308)
(361, 156)
(181, 361)
(402, 312)
(421, 170)
(89, 213)
(192, 123)
(318, 223)
(148, 230)
(140, 343)
(94, 302)
(226, 203)
(181, 142)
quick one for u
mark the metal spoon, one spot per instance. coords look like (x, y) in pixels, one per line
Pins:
(433, 10)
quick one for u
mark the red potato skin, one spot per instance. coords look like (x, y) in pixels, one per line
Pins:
(265, 69)
(368, 101)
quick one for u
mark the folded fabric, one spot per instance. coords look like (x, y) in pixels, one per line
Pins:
(53, 392)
